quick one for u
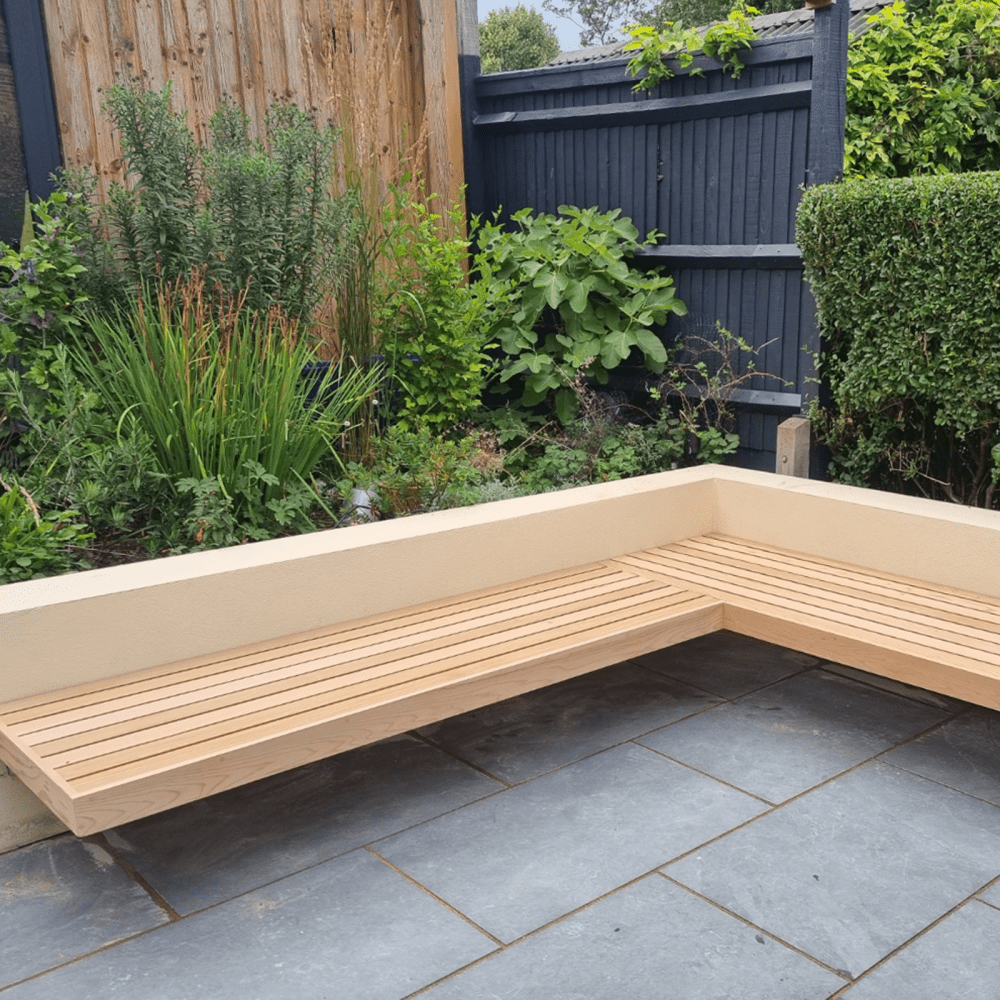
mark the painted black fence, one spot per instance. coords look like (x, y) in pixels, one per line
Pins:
(716, 164)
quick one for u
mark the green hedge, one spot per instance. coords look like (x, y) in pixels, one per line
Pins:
(906, 276)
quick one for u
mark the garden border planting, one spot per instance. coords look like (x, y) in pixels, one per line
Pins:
(438, 614)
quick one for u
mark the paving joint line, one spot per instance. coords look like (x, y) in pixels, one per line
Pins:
(841, 973)
(423, 888)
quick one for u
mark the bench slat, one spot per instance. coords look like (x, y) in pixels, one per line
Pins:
(119, 749)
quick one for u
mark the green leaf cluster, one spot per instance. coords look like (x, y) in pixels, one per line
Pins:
(906, 276)
(560, 297)
(923, 91)
(659, 50)
(40, 283)
(33, 546)
(427, 313)
(514, 38)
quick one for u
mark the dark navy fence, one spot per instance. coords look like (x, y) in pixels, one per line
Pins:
(714, 163)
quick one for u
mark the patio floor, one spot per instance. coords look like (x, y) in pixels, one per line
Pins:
(723, 819)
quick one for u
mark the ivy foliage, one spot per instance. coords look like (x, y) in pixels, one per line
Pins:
(906, 276)
(560, 298)
(516, 38)
(923, 91)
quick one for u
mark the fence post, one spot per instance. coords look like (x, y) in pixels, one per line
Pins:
(36, 105)
(792, 448)
(469, 67)
(825, 163)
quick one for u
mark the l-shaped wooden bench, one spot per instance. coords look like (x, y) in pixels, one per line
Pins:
(205, 672)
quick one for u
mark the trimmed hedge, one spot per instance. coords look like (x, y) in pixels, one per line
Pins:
(906, 276)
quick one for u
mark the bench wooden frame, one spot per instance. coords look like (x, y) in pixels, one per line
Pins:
(136, 689)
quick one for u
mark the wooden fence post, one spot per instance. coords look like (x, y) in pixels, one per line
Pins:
(792, 448)
(825, 163)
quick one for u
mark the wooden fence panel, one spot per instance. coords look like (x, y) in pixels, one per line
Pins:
(390, 66)
(716, 164)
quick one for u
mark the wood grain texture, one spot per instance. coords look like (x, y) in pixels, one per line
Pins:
(398, 61)
(126, 747)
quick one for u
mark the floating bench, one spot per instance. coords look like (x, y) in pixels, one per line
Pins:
(129, 743)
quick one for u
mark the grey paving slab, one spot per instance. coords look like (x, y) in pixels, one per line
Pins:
(963, 753)
(524, 737)
(850, 871)
(992, 896)
(533, 853)
(208, 851)
(650, 941)
(790, 736)
(62, 898)
(957, 960)
(349, 929)
(726, 664)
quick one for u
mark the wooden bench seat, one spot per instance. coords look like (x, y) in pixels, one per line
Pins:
(930, 636)
(112, 751)
(131, 744)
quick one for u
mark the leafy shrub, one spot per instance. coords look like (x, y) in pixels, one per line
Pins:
(413, 471)
(427, 314)
(257, 216)
(40, 284)
(214, 386)
(923, 94)
(559, 297)
(906, 275)
(33, 546)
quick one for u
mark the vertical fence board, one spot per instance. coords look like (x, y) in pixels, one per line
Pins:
(393, 62)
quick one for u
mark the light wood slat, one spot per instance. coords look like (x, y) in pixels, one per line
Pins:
(266, 670)
(100, 807)
(375, 670)
(46, 705)
(983, 608)
(822, 593)
(619, 638)
(727, 581)
(385, 678)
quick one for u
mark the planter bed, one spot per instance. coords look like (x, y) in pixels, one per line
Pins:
(137, 688)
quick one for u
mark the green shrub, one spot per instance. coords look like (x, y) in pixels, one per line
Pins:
(923, 94)
(40, 284)
(906, 276)
(426, 313)
(257, 216)
(559, 297)
(33, 546)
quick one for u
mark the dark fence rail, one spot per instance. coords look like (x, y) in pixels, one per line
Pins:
(714, 163)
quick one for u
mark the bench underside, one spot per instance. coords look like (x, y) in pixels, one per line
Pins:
(112, 751)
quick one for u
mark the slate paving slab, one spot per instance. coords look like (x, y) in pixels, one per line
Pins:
(202, 853)
(959, 958)
(790, 736)
(727, 664)
(349, 928)
(964, 753)
(524, 737)
(62, 898)
(649, 941)
(522, 858)
(852, 870)
(992, 896)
